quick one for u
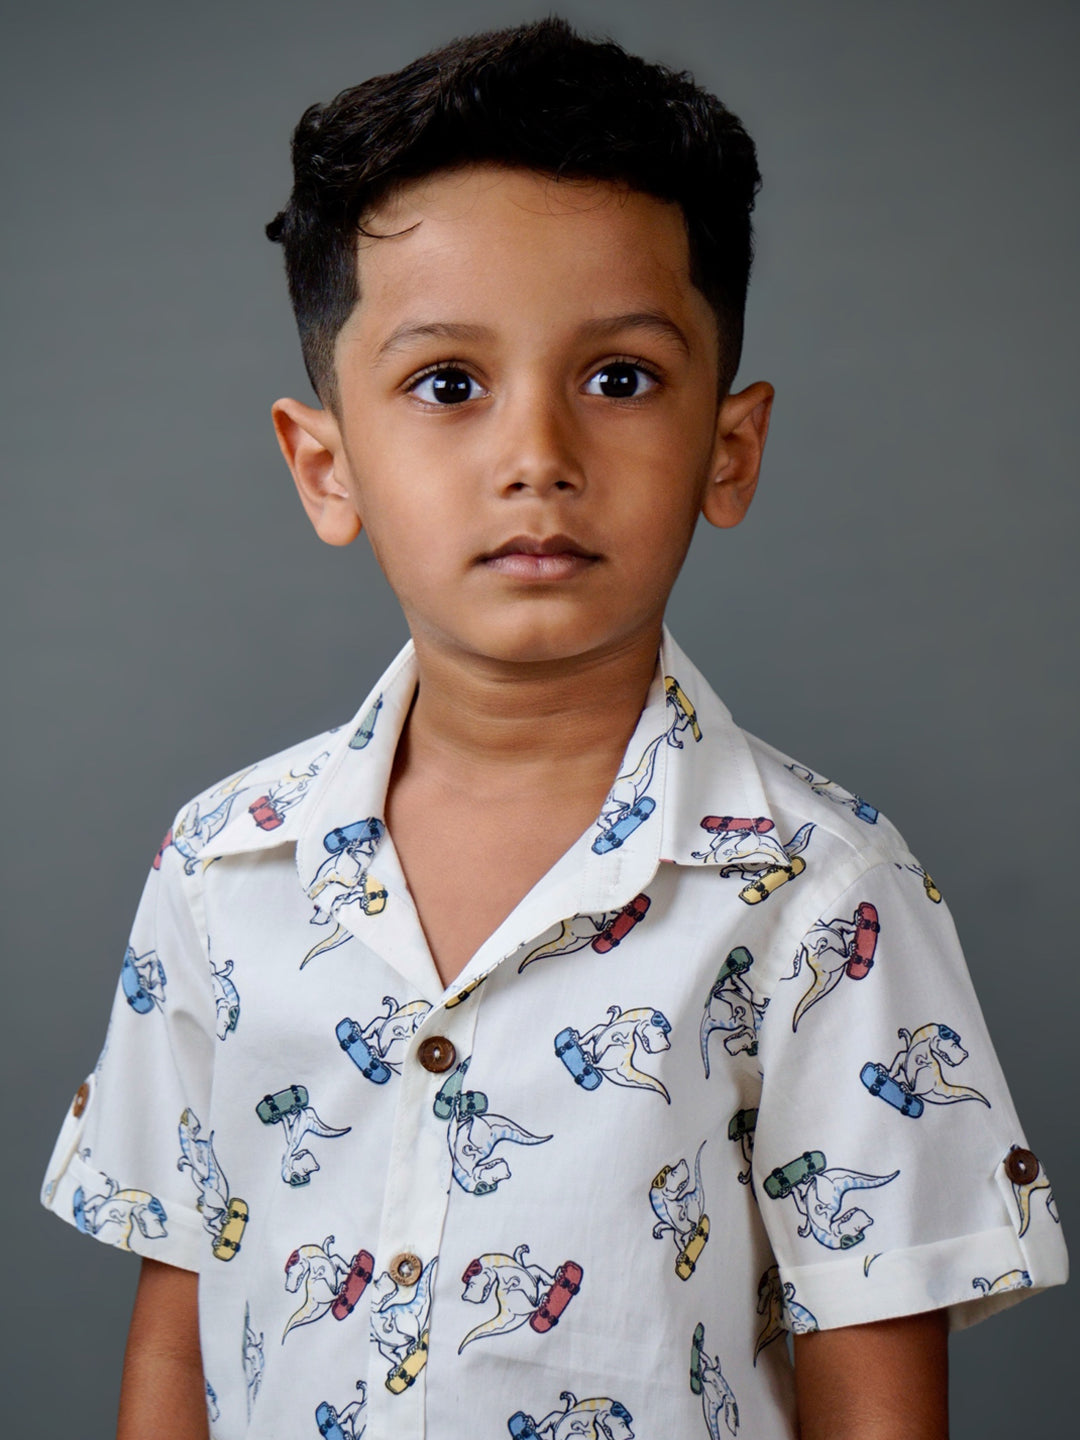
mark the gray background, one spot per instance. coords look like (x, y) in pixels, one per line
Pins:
(898, 611)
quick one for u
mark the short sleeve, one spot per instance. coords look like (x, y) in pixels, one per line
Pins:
(114, 1170)
(889, 1164)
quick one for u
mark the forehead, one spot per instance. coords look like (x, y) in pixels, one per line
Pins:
(501, 243)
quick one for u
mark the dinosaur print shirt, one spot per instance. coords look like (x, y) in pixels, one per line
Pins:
(720, 1076)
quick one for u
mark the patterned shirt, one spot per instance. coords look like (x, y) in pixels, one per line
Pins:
(720, 1075)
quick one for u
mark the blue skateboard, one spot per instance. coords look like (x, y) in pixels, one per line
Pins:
(360, 830)
(569, 1051)
(614, 835)
(880, 1083)
(140, 1000)
(865, 811)
(327, 1421)
(522, 1426)
(78, 1209)
(360, 1052)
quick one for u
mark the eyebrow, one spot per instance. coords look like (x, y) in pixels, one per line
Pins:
(600, 329)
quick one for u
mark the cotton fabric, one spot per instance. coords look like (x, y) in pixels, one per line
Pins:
(719, 1076)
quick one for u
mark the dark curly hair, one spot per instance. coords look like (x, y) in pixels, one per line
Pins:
(536, 96)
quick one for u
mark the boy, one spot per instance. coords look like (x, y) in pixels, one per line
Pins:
(533, 1053)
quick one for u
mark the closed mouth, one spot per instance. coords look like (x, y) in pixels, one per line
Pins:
(530, 545)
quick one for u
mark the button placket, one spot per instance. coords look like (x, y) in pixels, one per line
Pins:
(415, 1200)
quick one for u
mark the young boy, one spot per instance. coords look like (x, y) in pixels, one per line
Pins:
(533, 1053)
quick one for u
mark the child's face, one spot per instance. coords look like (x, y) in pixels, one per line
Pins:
(529, 369)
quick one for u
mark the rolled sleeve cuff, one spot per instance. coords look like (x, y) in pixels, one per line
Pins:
(970, 1276)
(146, 1221)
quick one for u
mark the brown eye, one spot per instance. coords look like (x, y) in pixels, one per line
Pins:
(620, 381)
(447, 386)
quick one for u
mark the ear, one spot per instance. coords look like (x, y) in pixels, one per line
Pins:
(742, 423)
(311, 443)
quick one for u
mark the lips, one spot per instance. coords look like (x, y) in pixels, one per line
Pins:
(529, 545)
(532, 558)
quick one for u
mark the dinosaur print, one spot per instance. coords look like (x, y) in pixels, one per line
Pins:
(830, 790)
(818, 1194)
(733, 1008)
(610, 1049)
(603, 932)
(747, 847)
(598, 1418)
(524, 1294)
(474, 1132)
(916, 1077)
(119, 1213)
(708, 1380)
(780, 1310)
(226, 998)
(834, 948)
(679, 1208)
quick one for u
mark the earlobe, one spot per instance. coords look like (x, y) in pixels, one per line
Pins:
(741, 430)
(311, 444)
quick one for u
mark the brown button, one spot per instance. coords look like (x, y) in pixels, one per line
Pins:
(1021, 1166)
(436, 1054)
(405, 1268)
(82, 1095)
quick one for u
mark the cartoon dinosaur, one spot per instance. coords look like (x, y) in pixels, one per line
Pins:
(226, 998)
(819, 1199)
(320, 1272)
(598, 1418)
(516, 1286)
(115, 1216)
(733, 1007)
(298, 1164)
(918, 1065)
(197, 1156)
(472, 1139)
(612, 1046)
(717, 1397)
(678, 1206)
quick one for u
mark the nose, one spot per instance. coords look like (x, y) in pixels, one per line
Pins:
(538, 447)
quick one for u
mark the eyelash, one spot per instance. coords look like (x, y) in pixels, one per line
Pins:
(635, 361)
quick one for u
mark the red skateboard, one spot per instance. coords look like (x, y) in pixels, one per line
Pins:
(865, 941)
(761, 825)
(354, 1285)
(265, 813)
(629, 916)
(565, 1286)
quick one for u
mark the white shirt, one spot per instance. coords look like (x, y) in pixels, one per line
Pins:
(720, 1075)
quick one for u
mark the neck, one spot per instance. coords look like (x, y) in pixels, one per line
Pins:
(492, 725)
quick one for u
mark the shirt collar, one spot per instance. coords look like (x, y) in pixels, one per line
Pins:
(686, 756)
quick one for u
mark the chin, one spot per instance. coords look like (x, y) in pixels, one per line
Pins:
(538, 641)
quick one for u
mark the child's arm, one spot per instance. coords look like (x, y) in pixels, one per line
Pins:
(163, 1392)
(875, 1382)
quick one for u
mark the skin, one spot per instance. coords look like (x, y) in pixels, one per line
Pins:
(573, 423)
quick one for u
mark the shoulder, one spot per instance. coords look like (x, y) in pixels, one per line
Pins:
(848, 830)
(254, 807)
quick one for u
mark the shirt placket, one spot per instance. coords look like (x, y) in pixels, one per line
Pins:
(415, 1200)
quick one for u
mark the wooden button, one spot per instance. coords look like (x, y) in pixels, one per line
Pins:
(405, 1268)
(82, 1095)
(436, 1054)
(1021, 1166)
